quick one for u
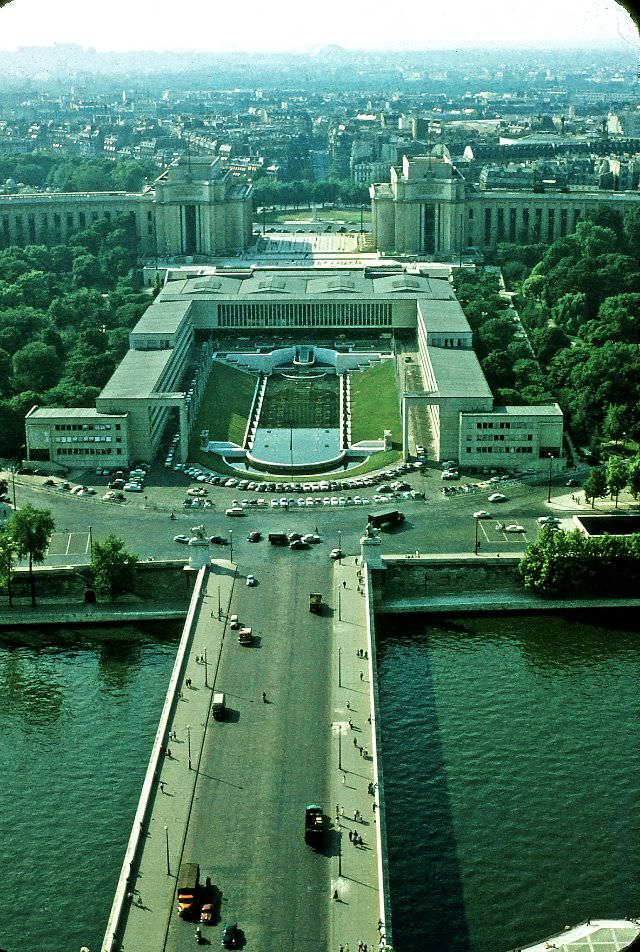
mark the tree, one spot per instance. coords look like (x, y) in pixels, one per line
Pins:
(7, 559)
(31, 531)
(634, 476)
(615, 422)
(617, 475)
(113, 568)
(595, 486)
(36, 366)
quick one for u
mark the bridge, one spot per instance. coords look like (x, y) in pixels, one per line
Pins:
(230, 795)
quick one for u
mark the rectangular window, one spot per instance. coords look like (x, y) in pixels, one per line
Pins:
(487, 226)
(551, 215)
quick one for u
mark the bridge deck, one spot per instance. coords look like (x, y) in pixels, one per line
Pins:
(239, 813)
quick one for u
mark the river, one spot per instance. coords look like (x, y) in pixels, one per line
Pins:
(79, 716)
(511, 761)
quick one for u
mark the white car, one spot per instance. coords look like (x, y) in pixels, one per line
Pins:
(251, 580)
(482, 514)
(335, 554)
(514, 527)
(497, 497)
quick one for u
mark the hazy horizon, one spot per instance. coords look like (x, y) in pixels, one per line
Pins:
(280, 27)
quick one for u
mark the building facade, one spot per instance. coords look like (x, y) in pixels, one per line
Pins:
(195, 208)
(428, 209)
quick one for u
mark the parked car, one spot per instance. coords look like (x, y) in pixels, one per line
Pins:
(231, 936)
(514, 527)
(184, 539)
(482, 514)
(335, 554)
(548, 521)
(218, 540)
(497, 497)
(251, 581)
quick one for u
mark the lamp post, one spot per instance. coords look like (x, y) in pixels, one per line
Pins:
(340, 546)
(231, 544)
(189, 744)
(549, 479)
(90, 543)
(206, 684)
(219, 605)
(477, 544)
(166, 840)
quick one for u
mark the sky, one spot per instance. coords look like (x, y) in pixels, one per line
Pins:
(281, 25)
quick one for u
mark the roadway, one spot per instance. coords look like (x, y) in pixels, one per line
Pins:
(264, 763)
(437, 524)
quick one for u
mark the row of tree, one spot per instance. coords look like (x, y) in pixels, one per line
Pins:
(27, 535)
(618, 474)
(65, 315)
(74, 174)
(340, 192)
(569, 563)
(512, 370)
(580, 301)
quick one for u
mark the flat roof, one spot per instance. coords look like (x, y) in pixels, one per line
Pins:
(458, 373)
(163, 317)
(306, 284)
(137, 374)
(443, 315)
(60, 413)
(549, 409)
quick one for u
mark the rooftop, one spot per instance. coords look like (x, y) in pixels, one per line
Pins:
(137, 375)
(163, 317)
(61, 413)
(458, 373)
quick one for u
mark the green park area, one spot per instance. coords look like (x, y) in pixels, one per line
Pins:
(224, 410)
(374, 404)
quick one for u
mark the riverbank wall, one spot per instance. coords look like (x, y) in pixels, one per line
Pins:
(162, 592)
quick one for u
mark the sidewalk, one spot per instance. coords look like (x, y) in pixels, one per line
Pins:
(357, 908)
(149, 882)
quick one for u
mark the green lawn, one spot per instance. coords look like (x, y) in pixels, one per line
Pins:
(375, 405)
(216, 463)
(225, 406)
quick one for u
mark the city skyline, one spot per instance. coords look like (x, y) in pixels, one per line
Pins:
(359, 26)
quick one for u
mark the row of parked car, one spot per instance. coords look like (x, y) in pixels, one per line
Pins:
(325, 485)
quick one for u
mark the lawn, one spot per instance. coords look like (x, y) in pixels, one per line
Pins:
(374, 404)
(225, 406)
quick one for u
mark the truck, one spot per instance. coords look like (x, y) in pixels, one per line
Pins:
(313, 825)
(218, 706)
(315, 603)
(278, 538)
(188, 890)
(385, 518)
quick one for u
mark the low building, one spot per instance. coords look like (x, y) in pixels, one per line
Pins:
(159, 383)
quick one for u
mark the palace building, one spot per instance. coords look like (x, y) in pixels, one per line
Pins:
(195, 208)
(429, 209)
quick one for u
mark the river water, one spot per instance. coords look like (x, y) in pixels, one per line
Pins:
(78, 722)
(511, 763)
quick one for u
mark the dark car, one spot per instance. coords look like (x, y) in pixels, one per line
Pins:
(254, 536)
(218, 540)
(232, 936)
(298, 544)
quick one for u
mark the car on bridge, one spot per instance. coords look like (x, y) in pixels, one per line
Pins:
(231, 936)
(184, 539)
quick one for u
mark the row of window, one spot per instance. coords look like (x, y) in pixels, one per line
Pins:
(306, 314)
(500, 438)
(29, 228)
(86, 451)
(508, 229)
(500, 449)
(88, 439)
(86, 426)
(504, 425)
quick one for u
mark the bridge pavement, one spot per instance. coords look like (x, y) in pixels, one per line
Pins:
(239, 812)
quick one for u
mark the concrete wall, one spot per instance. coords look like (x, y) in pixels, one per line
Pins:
(422, 577)
(155, 582)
